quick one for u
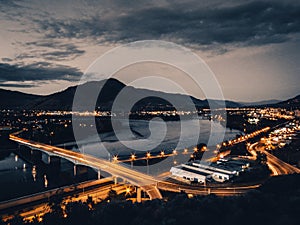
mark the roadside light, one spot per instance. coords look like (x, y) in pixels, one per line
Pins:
(162, 153)
(132, 157)
(174, 152)
(190, 195)
(185, 151)
(195, 149)
(115, 158)
(204, 148)
(148, 155)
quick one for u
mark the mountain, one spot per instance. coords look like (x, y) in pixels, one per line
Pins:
(292, 103)
(63, 100)
(16, 99)
(264, 102)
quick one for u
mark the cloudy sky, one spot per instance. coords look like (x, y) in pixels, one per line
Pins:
(251, 46)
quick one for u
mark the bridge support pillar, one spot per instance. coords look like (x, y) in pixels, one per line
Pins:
(115, 180)
(79, 170)
(99, 174)
(74, 170)
(139, 195)
(54, 160)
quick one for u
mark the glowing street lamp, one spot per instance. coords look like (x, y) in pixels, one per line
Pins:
(132, 158)
(148, 155)
(115, 158)
(128, 190)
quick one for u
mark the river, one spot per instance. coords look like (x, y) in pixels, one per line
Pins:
(19, 177)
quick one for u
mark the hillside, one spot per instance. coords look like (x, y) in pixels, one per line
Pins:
(63, 100)
(17, 100)
(293, 103)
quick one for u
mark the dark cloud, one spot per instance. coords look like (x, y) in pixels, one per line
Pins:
(6, 60)
(36, 72)
(16, 85)
(50, 50)
(254, 23)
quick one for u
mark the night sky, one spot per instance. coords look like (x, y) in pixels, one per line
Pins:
(251, 46)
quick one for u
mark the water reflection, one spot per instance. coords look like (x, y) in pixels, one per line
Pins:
(45, 181)
(34, 173)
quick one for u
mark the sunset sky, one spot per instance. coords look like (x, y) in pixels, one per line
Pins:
(253, 47)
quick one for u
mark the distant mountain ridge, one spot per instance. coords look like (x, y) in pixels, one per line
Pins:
(292, 103)
(63, 100)
(16, 100)
(264, 102)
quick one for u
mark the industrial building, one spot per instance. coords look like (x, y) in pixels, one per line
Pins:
(200, 172)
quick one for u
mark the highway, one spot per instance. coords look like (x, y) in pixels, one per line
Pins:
(44, 196)
(196, 190)
(146, 182)
(152, 185)
(29, 213)
(277, 166)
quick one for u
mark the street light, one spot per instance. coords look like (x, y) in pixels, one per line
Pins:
(132, 158)
(128, 189)
(115, 158)
(148, 155)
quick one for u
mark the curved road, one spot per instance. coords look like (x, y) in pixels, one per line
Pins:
(277, 166)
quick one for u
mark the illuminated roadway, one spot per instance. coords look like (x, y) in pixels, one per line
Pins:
(39, 210)
(146, 182)
(277, 166)
(150, 184)
(221, 191)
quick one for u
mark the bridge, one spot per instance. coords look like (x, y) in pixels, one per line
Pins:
(147, 183)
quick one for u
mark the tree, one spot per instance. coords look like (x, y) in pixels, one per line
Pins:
(114, 196)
